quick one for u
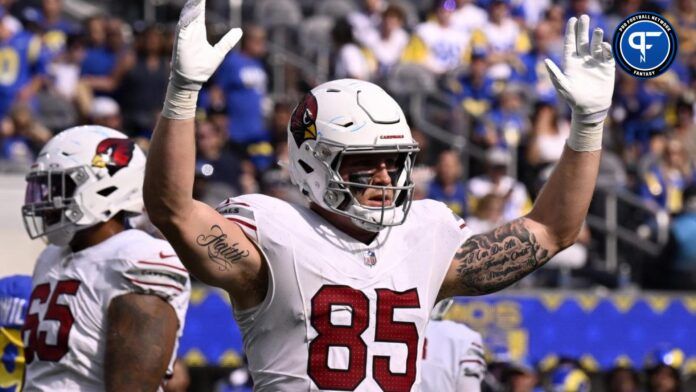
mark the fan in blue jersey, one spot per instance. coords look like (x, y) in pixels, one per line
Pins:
(14, 293)
(22, 66)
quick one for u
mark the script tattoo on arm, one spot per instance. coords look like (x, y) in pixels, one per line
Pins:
(492, 261)
(219, 250)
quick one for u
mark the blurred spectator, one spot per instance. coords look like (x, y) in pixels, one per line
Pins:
(99, 59)
(555, 17)
(502, 39)
(532, 70)
(573, 257)
(447, 186)
(665, 180)
(474, 90)
(15, 292)
(351, 61)
(685, 128)
(20, 82)
(103, 64)
(22, 137)
(548, 136)
(388, 43)
(663, 369)
(239, 380)
(592, 9)
(681, 248)
(14, 147)
(682, 15)
(56, 29)
(10, 21)
(437, 44)
(532, 11)
(365, 22)
(622, 379)
(520, 377)
(487, 215)
(240, 86)
(276, 180)
(468, 16)
(506, 125)
(225, 167)
(622, 10)
(569, 378)
(496, 181)
(145, 74)
(639, 110)
(64, 73)
(106, 112)
(278, 123)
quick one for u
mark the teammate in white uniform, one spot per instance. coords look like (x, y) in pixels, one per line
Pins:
(337, 296)
(108, 303)
(453, 358)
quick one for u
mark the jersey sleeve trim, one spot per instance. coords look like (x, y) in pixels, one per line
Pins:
(163, 265)
(141, 282)
(242, 214)
(241, 222)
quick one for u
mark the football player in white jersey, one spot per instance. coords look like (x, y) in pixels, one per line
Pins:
(108, 303)
(453, 355)
(337, 295)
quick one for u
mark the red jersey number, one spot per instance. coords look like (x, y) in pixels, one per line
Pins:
(35, 339)
(350, 337)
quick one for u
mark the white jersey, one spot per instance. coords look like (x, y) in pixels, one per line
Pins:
(446, 46)
(340, 314)
(453, 358)
(66, 325)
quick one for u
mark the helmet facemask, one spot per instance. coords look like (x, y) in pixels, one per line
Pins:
(341, 196)
(50, 208)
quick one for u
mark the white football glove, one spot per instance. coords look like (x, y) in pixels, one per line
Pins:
(586, 83)
(194, 60)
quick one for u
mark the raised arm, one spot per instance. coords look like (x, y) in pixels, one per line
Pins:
(489, 262)
(214, 249)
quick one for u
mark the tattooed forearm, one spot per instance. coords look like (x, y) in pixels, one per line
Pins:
(219, 250)
(492, 261)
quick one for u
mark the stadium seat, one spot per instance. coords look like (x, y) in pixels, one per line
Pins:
(315, 34)
(278, 13)
(408, 79)
(335, 8)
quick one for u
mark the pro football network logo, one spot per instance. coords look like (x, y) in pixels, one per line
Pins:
(645, 45)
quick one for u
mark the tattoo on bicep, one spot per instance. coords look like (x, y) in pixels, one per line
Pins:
(219, 250)
(492, 261)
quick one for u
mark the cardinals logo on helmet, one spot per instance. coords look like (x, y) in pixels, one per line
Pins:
(302, 123)
(113, 154)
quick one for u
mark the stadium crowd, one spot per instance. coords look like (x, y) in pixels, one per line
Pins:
(486, 58)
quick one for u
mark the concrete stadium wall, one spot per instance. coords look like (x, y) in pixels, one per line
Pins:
(17, 252)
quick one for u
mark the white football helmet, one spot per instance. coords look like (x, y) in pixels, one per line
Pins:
(349, 117)
(82, 176)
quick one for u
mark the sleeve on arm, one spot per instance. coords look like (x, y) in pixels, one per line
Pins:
(156, 276)
(472, 364)
(159, 272)
(241, 213)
